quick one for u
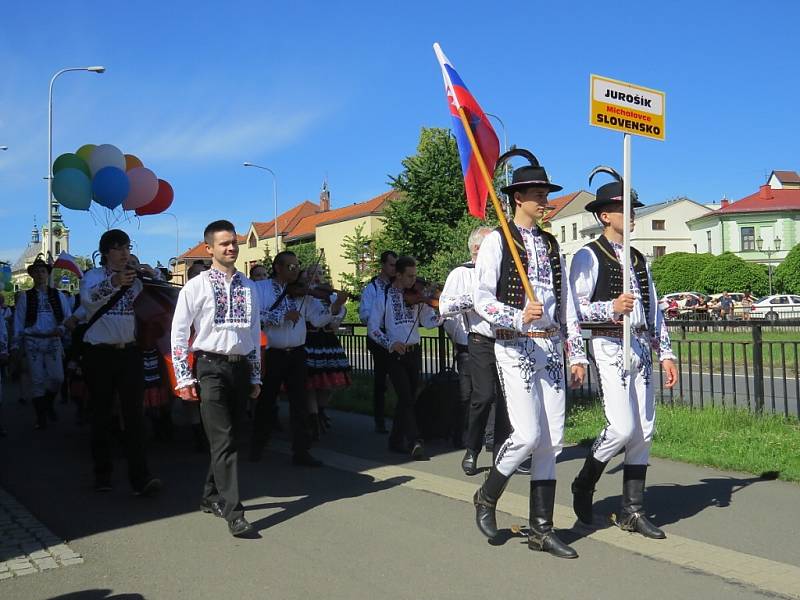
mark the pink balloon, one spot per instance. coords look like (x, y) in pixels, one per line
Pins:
(144, 187)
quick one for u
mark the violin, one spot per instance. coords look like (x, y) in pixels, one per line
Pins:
(423, 292)
(323, 291)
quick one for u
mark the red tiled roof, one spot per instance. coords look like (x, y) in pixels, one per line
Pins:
(787, 176)
(556, 204)
(764, 200)
(308, 225)
(286, 221)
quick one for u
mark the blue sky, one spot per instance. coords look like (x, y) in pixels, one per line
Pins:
(341, 90)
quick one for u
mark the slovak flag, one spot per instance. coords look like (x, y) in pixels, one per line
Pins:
(458, 96)
(68, 262)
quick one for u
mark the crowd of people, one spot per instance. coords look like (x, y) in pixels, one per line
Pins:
(515, 314)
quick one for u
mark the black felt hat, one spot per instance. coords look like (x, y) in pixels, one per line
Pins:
(610, 193)
(39, 262)
(532, 175)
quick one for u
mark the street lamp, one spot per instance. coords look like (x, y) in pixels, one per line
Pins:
(274, 197)
(769, 252)
(96, 69)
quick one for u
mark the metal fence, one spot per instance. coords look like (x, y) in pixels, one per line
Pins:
(742, 364)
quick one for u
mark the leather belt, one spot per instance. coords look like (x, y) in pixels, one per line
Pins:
(232, 358)
(613, 331)
(290, 349)
(124, 346)
(479, 337)
(509, 334)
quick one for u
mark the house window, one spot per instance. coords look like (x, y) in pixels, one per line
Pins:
(58, 248)
(748, 238)
(708, 239)
(252, 242)
(574, 231)
(659, 251)
(563, 233)
(659, 225)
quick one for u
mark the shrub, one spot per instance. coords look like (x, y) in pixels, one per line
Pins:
(786, 277)
(678, 271)
(728, 272)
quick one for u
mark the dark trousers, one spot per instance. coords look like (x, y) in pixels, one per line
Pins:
(404, 374)
(485, 394)
(380, 369)
(284, 367)
(116, 373)
(463, 365)
(223, 388)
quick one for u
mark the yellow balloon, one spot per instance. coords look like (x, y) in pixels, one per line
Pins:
(132, 162)
(85, 151)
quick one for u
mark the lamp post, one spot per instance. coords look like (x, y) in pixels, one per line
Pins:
(96, 69)
(769, 252)
(274, 197)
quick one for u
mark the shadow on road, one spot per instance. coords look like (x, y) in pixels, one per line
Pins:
(96, 595)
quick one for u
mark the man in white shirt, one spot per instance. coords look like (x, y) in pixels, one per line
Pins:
(222, 306)
(626, 386)
(285, 308)
(394, 325)
(532, 338)
(112, 362)
(38, 329)
(474, 342)
(374, 291)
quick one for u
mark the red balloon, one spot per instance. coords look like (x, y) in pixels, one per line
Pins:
(160, 203)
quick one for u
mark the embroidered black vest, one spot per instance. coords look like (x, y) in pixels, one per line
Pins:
(509, 286)
(32, 305)
(609, 274)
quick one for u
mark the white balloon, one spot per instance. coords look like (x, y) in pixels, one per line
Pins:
(106, 155)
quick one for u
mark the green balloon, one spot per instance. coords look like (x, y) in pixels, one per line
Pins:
(85, 151)
(71, 161)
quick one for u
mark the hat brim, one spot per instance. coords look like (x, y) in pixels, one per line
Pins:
(522, 185)
(596, 205)
(31, 267)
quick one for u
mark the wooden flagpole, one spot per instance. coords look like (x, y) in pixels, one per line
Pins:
(526, 284)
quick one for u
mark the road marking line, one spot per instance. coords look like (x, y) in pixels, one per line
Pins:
(765, 574)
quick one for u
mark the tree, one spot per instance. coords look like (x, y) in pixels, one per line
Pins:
(786, 277)
(431, 222)
(729, 273)
(84, 262)
(306, 253)
(678, 271)
(357, 250)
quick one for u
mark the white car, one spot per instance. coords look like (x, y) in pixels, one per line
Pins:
(779, 306)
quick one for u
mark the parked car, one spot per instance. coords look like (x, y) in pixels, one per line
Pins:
(777, 306)
(737, 298)
(681, 310)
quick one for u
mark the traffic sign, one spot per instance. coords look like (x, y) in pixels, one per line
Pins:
(626, 107)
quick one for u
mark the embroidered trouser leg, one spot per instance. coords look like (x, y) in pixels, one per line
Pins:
(628, 402)
(532, 379)
(45, 365)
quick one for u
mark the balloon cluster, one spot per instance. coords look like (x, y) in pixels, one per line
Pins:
(110, 178)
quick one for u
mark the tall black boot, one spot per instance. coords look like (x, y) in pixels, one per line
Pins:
(542, 537)
(50, 406)
(583, 488)
(40, 408)
(632, 517)
(485, 500)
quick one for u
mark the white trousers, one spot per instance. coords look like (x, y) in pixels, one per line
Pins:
(531, 372)
(628, 402)
(45, 365)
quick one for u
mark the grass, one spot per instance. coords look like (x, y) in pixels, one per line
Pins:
(724, 438)
(730, 349)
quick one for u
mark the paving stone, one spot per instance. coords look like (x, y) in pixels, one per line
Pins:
(78, 560)
(6, 575)
(46, 564)
(39, 554)
(30, 571)
(20, 565)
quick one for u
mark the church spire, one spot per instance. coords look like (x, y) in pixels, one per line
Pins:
(34, 233)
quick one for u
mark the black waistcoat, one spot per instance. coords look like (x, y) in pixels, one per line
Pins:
(32, 306)
(509, 286)
(609, 274)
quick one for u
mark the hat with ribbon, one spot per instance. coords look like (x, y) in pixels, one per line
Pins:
(39, 262)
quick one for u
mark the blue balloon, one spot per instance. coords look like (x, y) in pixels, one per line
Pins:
(73, 189)
(110, 186)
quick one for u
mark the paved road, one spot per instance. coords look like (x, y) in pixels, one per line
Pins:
(373, 525)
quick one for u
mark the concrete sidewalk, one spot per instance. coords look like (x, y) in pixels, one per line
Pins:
(372, 524)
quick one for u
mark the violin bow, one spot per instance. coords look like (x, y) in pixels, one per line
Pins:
(314, 267)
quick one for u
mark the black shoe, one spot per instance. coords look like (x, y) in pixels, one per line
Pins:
(103, 485)
(304, 459)
(239, 527)
(542, 537)
(469, 464)
(525, 467)
(210, 507)
(418, 451)
(151, 488)
(381, 428)
(633, 517)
